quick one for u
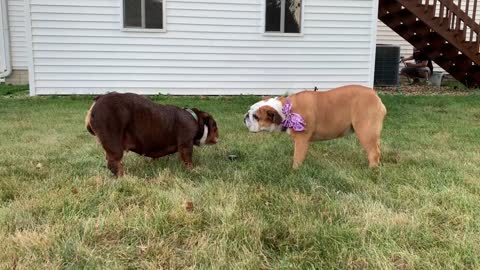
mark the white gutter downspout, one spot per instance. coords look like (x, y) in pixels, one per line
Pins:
(373, 42)
(6, 39)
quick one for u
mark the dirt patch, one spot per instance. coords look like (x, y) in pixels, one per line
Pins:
(423, 90)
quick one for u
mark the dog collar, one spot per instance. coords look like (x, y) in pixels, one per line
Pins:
(292, 120)
(192, 113)
(202, 134)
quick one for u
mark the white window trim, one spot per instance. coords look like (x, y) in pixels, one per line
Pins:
(148, 30)
(280, 34)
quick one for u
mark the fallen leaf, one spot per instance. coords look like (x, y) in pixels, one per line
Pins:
(188, 206)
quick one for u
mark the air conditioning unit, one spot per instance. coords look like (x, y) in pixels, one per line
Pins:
(387, 60)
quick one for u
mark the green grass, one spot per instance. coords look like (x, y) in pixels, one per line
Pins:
(60, 208)
(13, 90)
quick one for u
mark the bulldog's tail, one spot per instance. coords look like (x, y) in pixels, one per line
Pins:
(89, 117)
(89, 128)
(87, 120)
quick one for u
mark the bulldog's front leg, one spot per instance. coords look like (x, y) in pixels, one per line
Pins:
(185, 152)
(301, 143)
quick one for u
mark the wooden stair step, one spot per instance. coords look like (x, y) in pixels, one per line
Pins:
(445, 46)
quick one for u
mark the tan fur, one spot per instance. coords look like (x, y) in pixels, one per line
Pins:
(333, 114)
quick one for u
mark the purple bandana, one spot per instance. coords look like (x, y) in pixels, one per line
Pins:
(292, 120)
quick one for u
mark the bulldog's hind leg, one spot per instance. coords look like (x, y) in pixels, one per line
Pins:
(368, 133)
(114, 154)
(114, 163)
(368, 123)
(372, 147)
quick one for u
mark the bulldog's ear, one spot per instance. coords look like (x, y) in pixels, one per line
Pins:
(211, 124)
(205, 119)
(274, 117)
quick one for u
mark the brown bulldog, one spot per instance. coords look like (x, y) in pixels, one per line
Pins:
(129, 122)
(312, 116)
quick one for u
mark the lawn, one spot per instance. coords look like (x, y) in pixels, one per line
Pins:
(61, 208)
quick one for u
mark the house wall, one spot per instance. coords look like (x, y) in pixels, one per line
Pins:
(210, 47)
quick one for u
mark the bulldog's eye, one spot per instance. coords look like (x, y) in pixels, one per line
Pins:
(255, 117)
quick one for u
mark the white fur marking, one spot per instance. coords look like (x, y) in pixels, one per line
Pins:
(205, 135)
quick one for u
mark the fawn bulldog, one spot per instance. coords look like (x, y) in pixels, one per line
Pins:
(313, 116)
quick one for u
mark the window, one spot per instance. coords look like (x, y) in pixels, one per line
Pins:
(146, 14)
(283, 16)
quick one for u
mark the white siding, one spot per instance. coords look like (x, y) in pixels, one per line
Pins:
(16, 22)
(210, 47)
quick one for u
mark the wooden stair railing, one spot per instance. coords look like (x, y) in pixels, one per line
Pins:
(445, 29)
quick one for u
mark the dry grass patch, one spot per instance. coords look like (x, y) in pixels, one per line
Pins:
(61, 209)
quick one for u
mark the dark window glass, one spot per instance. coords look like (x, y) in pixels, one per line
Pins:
(153, 14)
(289, 21)
(132, 13)
(293, 13)
(272, 16)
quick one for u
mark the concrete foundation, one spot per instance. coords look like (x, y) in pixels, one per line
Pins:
(18, 77)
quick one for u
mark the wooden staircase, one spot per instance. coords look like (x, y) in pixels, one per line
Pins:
(445, 30)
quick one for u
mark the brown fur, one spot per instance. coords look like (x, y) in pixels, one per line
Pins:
(334, 114)
(129, 122)
(268, 116)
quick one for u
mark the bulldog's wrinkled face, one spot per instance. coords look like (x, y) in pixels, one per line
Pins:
(265, 115)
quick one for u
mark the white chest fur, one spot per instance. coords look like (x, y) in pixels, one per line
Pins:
(205, 135)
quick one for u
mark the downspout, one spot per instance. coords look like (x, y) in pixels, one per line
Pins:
(373, 42)
(6, 39)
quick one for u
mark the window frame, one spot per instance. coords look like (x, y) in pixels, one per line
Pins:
(143, 29)
(282, 27)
